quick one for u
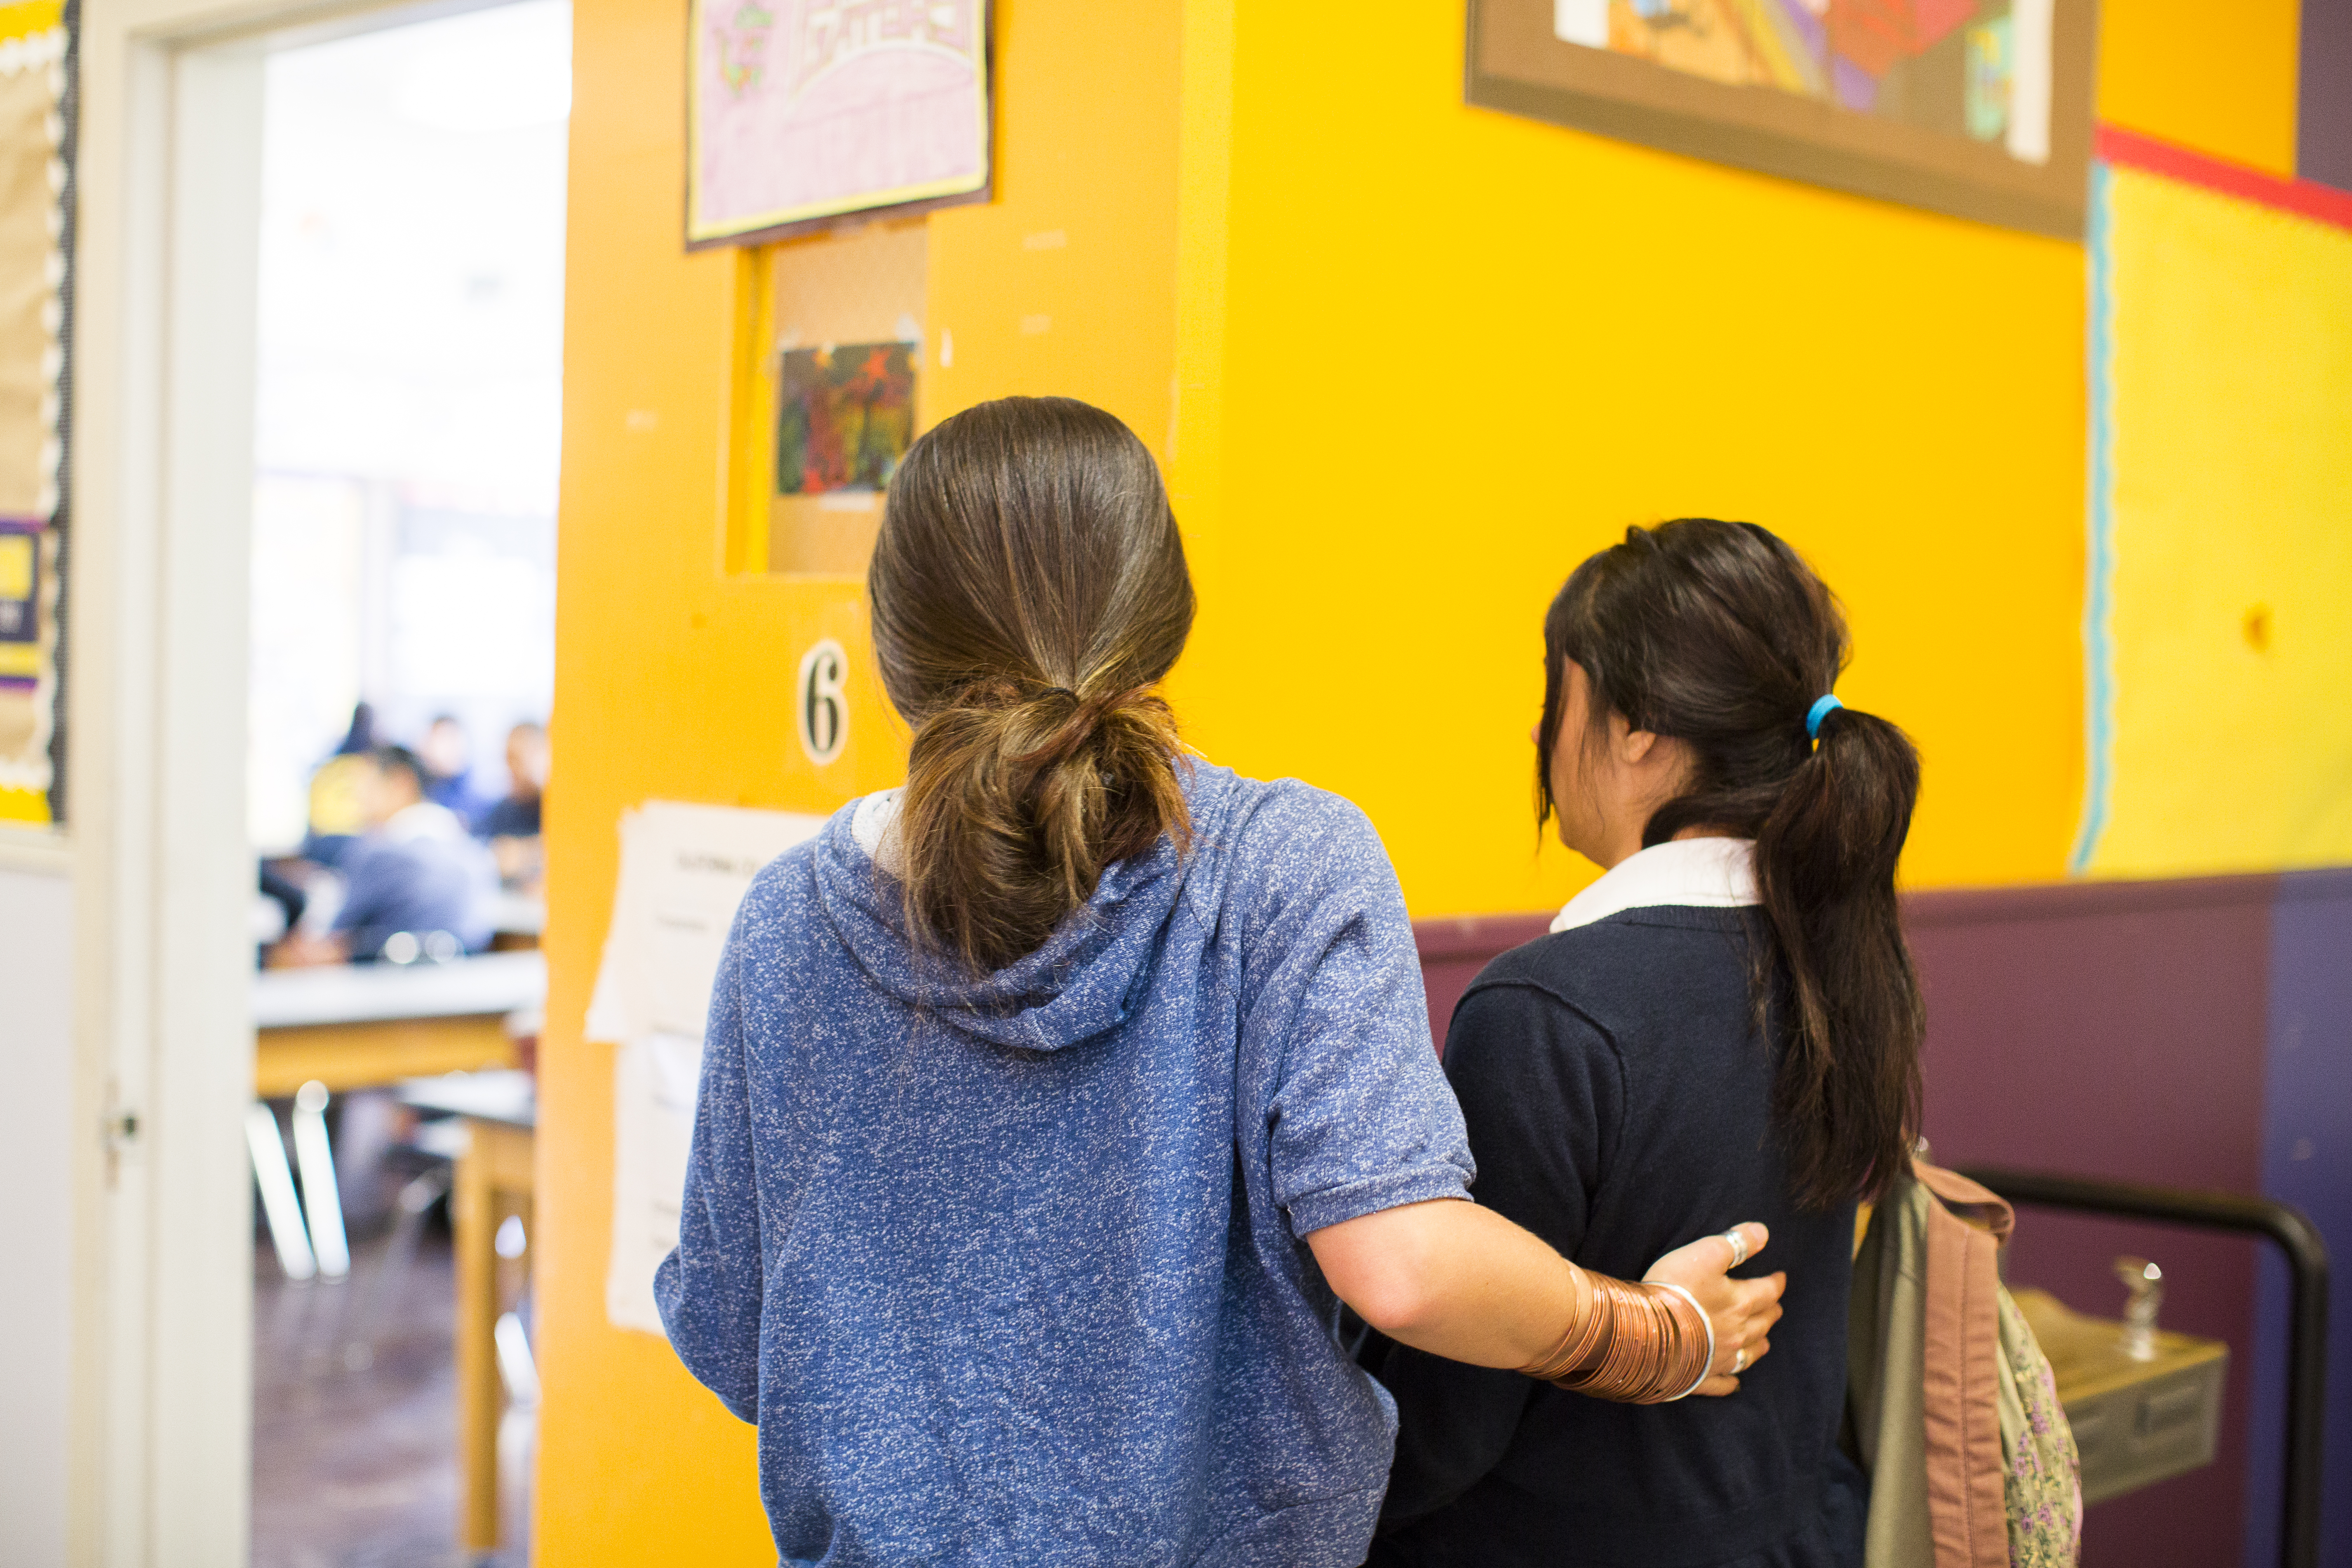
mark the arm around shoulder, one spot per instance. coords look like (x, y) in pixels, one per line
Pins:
(1450, 1277)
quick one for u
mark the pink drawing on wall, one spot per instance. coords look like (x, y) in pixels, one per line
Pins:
(807, 108)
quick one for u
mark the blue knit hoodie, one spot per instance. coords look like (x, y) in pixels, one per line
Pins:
(1010, 1270)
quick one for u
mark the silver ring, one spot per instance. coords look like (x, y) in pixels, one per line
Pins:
(1739, 1360)
(1739, 1241)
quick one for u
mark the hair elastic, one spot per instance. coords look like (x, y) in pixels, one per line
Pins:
(1819, 711)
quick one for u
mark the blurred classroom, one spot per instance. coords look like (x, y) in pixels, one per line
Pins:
(409, 409)
(401, 669)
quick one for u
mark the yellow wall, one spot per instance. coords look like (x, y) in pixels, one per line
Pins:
(1456, 351)
(1066, 284)
(673, 675)
(2231, 409)
(2219, 78)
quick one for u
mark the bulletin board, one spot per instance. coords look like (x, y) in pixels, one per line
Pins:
(2220, 593)
(1977, 108)
(801, 111)
(36, 243)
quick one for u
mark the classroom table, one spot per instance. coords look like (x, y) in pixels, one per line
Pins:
(518, 914)
(498, 1114)
(354, 1026)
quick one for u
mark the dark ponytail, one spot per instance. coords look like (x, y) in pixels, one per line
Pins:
(1028, 590)
(1718, 635)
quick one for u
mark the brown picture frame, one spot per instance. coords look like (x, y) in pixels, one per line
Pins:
(1513, 63)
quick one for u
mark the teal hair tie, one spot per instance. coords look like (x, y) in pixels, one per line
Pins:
(1819, 711)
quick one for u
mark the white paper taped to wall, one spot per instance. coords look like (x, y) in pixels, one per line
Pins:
(683, 869)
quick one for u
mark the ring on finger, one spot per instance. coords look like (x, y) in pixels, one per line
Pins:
(1739, 1360)
(1739, 1242)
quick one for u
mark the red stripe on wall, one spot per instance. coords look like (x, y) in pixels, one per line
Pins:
(2307, 198)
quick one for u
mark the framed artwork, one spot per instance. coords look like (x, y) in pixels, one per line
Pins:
(802, 112)
(1977, 108)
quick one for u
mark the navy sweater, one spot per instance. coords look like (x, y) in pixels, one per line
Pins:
(1618, 1099)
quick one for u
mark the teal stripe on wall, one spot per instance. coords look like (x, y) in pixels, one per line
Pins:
(2098, 652)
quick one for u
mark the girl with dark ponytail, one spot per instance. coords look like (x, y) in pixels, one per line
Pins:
(1052, 1102)
(1726, 1023)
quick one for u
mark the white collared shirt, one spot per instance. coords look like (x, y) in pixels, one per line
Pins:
(1703, 873)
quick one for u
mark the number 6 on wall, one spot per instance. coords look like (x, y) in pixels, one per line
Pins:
(823, 712)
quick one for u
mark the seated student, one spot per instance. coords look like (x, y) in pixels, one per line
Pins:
(1724, 1024)
(279, 885)
(337, 818)
(415, 871)
(511, 825)
(447, 756)
(1051, 1104)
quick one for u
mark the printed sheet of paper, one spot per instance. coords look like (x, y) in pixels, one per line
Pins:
(684, 869)
(804, 109)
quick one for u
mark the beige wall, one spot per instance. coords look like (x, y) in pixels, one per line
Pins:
(37, 1121)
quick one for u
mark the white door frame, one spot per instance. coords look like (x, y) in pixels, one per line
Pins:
(168, 180)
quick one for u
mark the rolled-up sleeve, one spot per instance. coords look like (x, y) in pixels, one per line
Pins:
(1359, 1118)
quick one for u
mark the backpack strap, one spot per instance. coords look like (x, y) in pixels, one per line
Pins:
(1979, 1206)
(1967, 1471)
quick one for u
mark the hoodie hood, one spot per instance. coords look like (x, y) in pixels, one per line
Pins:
(1086, 979)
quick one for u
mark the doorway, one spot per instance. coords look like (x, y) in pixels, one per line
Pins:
(407, 385)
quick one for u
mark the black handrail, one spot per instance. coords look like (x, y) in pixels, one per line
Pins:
(2306, 1339)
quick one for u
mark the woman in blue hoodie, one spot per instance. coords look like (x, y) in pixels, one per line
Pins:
(1048, 1101)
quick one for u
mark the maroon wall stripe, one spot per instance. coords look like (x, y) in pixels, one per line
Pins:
(1453, 950)
(2114, 1030)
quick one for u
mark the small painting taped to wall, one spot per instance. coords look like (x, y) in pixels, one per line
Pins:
(844, 415)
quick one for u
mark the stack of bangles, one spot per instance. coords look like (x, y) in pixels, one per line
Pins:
(1648, 1343)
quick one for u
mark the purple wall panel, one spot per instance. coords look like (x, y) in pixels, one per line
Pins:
(2114, 1030)
(2308, 1162)
(2323, 127)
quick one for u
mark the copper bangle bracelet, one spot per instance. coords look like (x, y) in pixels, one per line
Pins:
(1656, 1344)
(1586, 1325)
(1705, 1366)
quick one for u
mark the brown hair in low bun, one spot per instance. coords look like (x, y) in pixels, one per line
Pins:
(1028, 590)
